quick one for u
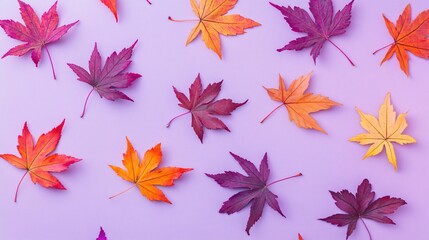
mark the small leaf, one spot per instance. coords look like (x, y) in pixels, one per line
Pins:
(255, 191)
(212, 22)
(36, 34)
(362, 205)
(319, 31)
(408, 36)
(111, 4)
(107, 80)
(384, 131)
(145, 173)
(37, 159)
(203, 107)
(102, 235)
(298, 103)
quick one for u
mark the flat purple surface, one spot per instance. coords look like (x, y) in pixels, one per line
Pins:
(328, 162)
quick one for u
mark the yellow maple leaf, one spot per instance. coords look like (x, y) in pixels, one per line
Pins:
(384, 131)
(212, 22)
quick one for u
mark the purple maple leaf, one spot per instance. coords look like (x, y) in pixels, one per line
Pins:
(256, 189)
(107, 80)
(324, 26)
(102, 235)
(360, 206)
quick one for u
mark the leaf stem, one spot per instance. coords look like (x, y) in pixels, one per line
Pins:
(52, 64)
(335, 45)
(370, 237)
(294, 176)
(376, 51)
(148, 2)
(19, 185)
(86, 101)
(265, 118)
(183, 114)
(126, 190)
(184, 20)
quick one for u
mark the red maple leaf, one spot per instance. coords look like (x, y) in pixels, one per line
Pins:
(202, 105)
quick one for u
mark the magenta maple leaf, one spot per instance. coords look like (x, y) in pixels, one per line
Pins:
(36, 34)
(101, 235)
(107, 80)
(202, 105)
(360, 206)
(256, 189)
(319, 31)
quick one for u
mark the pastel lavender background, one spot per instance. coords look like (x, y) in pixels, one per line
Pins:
(328, 162)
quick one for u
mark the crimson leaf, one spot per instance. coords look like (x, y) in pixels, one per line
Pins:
(360, 206)
(202, 105)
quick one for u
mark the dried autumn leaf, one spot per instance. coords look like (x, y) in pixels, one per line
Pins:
(37, 160)
(101, 235)
(212, 22)
(107, 80)
(362, 205)
(111, 4)
(255, 190)
(384, 131)
(202, 105)
(36, 34)
(325, 26)
(409, 36)
(145, 173)
(298, 103)
(300, 237)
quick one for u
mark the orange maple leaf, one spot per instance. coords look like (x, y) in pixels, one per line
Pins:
(300, 237)
(111, 4)
(144, 174)
(35, 159)
(298, 103)
(212, 22)
(408, 36)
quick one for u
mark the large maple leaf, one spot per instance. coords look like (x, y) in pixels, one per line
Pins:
(408, 36)
(37, 159)
(325, 26)
(384, 131)
(111, 4)
(362, 205)
(212, 22)
(298, 103)
(36, 34)
(256, 189)
(203, 107)
(107, 80)
(145, 174)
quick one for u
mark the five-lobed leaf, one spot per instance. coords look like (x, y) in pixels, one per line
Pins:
(212, 22)
(362, 205)
(107, 80)
(102, 235)
(145, 173)
(255, 191)
(111, 4)
(298, 103)
(203, 107)
(408, 36)
(37, 159)
(324, 26)
(36, 33)
(384, 131)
